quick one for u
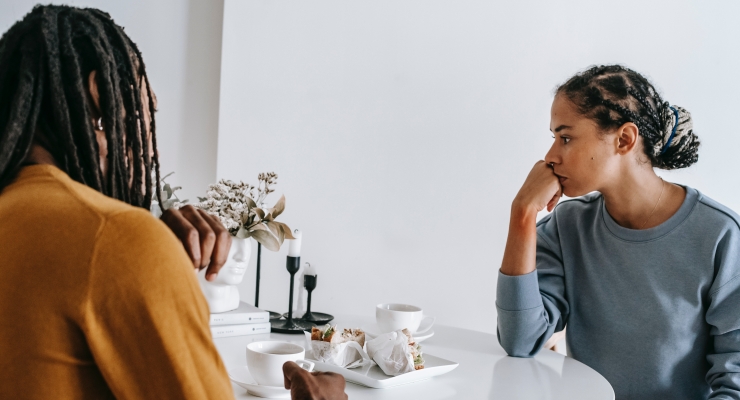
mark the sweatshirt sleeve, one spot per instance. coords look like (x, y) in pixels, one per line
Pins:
(723, 317)
(532, 307)
(146, 318)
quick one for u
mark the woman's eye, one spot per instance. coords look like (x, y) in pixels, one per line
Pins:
(565, 140)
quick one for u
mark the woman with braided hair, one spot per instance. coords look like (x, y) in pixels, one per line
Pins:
(635, 259)
(98, 298)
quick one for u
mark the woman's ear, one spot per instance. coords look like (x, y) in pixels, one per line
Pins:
(627, 136)
(92, 84)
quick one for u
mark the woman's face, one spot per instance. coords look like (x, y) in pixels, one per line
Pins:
(102, 140)
(581, 155)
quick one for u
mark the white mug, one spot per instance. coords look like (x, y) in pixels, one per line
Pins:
(392, 317)
(265, 361)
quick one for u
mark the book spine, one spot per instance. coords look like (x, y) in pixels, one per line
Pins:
(233, 319)
(240, 330)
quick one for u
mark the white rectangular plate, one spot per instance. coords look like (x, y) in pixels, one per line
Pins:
(372, 376)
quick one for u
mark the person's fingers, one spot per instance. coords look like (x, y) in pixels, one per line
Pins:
(554, 201)
(184, 231)
(333, 383)
(286, 379)
(221, 247)
(291, 372)
(206, 236)
(335, 379)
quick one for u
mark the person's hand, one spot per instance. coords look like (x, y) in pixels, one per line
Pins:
(552, 342)
(304, 385)
(541, 189)
(204, 237)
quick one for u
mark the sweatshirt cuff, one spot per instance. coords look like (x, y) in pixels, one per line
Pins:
(517, 293)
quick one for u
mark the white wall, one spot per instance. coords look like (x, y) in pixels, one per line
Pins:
(181, 44)
(402, 129)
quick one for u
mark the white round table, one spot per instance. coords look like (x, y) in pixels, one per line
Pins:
(485, 371)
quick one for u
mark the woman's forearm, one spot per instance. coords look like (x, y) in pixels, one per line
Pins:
(521, 245)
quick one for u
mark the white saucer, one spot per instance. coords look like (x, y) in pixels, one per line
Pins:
(241, 376)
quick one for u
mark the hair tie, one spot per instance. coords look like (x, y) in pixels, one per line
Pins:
(673, 132)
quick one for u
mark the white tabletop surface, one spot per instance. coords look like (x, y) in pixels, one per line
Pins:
(485, 371)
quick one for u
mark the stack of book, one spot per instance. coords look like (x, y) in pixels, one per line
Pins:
(245, 320)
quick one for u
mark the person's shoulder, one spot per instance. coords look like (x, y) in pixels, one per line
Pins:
(578, 204)
(134, 233)
(95, 201)
(50, 187)
(573, 208)
(712, 212)
(120, 219)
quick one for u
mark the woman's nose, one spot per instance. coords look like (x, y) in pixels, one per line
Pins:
(551, 156)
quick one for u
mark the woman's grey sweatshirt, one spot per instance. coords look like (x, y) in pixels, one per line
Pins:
(655, 311)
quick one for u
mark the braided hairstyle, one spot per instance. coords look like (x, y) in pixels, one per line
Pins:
(45, 60)
(612, 95)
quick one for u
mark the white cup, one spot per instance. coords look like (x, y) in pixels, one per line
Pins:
(265, 361)
(392, 317)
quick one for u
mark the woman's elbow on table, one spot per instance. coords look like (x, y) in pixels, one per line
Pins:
(517, 345)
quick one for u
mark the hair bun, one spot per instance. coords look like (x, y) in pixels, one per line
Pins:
(678, 147)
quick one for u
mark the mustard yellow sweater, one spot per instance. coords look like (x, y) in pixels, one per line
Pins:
(98, 299)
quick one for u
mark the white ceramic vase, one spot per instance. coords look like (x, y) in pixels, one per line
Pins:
(222, 294)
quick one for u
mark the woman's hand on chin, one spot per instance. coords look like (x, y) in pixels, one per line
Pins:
(540, 190)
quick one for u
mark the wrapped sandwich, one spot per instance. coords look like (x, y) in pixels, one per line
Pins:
(332, 335)
(396, 352)
(342, 348)
(415, 350)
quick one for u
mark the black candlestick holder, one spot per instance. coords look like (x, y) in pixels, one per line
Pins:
(313, 318)
(309, 282)
(290, 325)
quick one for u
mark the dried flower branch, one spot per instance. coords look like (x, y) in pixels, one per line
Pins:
(233, 203)
(265, 180)
(169, 198)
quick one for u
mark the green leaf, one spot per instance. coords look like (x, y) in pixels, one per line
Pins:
(167, 188)
(267, 239)
(251, 203)
(164, 177)
(260, 213)
(279, 207)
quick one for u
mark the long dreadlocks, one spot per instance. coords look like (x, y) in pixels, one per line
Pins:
(45, 60)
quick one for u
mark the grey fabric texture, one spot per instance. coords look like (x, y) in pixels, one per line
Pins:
(655, 311)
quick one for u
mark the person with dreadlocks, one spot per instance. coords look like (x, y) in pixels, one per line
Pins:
(98, 298)
(635, 259)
